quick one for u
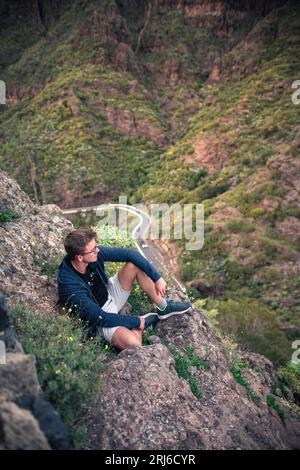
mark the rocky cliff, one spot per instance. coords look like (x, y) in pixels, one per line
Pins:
(27, 234)
(145, 404)
(220, 399)
(32, 237)
(27, 421)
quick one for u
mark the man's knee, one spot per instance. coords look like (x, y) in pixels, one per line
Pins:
(124, 338)
(133, 341)
(128, 343)
(131, 266)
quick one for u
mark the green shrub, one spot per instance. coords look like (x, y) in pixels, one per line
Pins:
(210, 190)
(269, 248)
(235, 274)
(292, 212)
(247, 243)
(84, 219)
(272, 403)
(109, 235)
(8, 216)
(272, 188)
(236, 370)
(257, 212)
(68, 365)
(48, 267)
(248, 200)
(236, 226)
(255, 327)
(182, 364)
(194, 178)
(289, 376)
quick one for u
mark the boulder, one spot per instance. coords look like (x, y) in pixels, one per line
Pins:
(32, 240)
(144, 403)
(27, 421)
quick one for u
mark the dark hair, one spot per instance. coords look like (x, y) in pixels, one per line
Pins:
(77, 240)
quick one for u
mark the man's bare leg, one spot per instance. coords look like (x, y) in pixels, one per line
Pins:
(127, 275)
(138, 335)
(124, 338)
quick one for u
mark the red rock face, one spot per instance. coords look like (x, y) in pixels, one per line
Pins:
(207, 154)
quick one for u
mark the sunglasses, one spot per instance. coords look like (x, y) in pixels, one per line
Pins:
(94, 250)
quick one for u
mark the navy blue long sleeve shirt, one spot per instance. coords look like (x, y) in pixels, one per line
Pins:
(77, 294)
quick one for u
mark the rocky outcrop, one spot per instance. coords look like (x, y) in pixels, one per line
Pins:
(28, 243)
(144, 404)
(132, 123)
(27, 421)
(207, 154)
(30, 237)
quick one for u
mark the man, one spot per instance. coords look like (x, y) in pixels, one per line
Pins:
(84, 286)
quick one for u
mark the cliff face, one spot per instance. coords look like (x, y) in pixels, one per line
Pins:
(29, 241)
(161, 412)
(29, 237)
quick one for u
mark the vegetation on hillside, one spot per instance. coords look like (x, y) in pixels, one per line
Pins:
(63, 360)
(89, 111)
(249, 207)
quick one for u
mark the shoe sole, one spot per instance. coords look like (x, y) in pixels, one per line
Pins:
(163, 317)
(148, 314)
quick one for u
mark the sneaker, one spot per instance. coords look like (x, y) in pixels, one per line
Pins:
(173, 308)
(150, 319)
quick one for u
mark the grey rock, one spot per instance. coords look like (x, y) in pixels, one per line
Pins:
(143, 404)
(34, 236)
(18, 376)
(153, 339)
(48, 419)
(19, 429)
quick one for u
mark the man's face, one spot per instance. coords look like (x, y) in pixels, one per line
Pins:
(90, 252)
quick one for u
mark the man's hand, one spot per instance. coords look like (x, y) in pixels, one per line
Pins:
(142, 324)
(160, 287)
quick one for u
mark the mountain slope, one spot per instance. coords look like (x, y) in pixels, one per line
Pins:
(240, 158)
(97, 89)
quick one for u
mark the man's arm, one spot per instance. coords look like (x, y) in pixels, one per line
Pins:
(126, 255)
(90, 311)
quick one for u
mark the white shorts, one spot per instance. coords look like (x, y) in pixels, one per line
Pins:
(117, 298)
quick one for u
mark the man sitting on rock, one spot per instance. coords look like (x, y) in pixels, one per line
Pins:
(84, 286)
